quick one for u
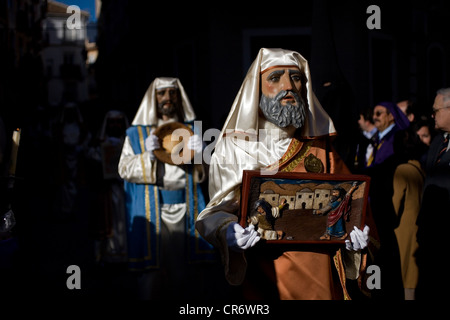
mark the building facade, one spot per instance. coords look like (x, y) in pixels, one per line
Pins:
(65, 54)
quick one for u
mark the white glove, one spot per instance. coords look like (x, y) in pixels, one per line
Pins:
(195, 143)
(240, 239)
(359, 239)
(152, 143)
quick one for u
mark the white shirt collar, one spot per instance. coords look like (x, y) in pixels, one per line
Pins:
(445, 136)
(369, 134)
(385, 131)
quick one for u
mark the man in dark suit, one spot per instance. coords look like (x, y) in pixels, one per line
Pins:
(389, 121)
(366, 140)
(432, 238)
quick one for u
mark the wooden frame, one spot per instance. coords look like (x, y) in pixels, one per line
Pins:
(301, 221)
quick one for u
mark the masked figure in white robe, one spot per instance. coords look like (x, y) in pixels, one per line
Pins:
(275, 124)
(163, 199)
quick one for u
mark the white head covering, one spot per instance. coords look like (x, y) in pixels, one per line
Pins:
(244, 111)
(147, 112)
(233, 153)
(233, 156)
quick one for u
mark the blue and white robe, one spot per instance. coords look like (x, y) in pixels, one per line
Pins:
(154, 189)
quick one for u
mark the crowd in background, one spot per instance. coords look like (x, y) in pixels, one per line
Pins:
(399, 147)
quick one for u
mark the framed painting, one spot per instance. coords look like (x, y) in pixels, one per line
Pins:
(314, 208)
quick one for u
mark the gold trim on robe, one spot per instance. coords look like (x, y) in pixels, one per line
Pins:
(305, 273)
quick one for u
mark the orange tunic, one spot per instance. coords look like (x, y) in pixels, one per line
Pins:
(309, 272)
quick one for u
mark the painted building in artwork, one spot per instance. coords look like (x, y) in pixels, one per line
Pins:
(305, 198)
(290, 199)
(321, 198)
(271, 197)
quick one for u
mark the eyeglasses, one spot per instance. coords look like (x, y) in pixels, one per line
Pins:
(435, 111)
(379, 113)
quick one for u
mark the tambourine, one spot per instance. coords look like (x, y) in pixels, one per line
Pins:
(173, 139)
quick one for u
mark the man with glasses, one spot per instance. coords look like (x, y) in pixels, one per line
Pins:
(389, 121)
(435, 204)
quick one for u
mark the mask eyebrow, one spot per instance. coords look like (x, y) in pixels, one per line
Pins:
(294, 71)
(275, 73)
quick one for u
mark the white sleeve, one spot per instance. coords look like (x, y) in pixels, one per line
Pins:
(275, 212)
(136, 168)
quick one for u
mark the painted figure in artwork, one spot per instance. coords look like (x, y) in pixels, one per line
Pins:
(338, 211)
(265, 219)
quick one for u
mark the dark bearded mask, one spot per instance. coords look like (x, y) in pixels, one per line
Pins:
(170, 111)
(283, 116)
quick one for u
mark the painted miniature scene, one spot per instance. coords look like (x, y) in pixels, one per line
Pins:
(305, 210)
